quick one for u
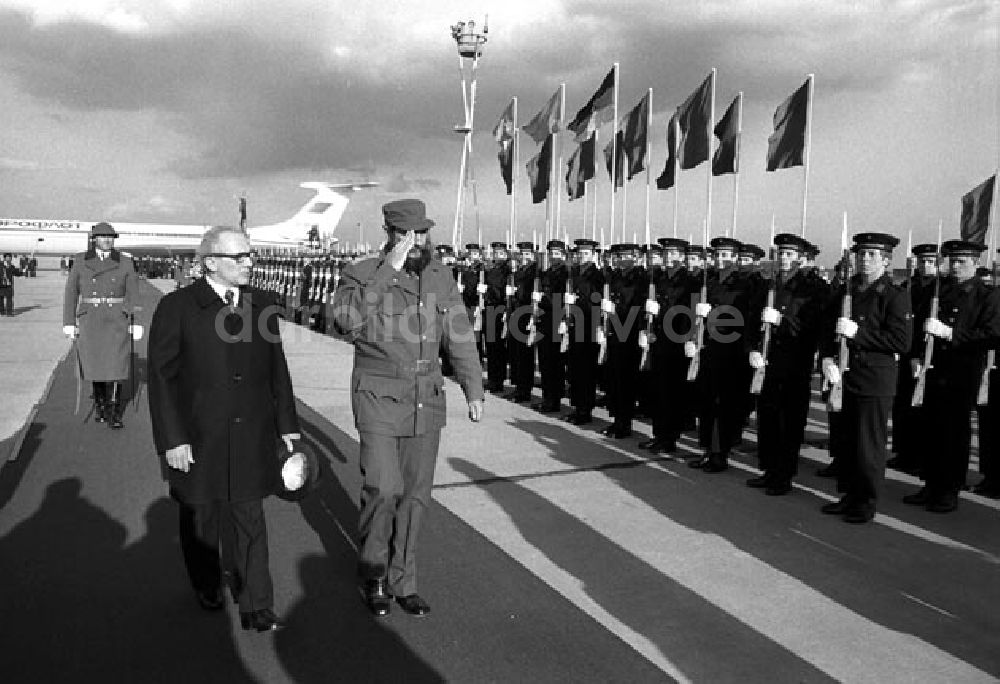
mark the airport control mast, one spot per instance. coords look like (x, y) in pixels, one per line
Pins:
(470, 49)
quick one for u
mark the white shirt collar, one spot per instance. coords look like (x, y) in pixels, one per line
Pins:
(221, 289)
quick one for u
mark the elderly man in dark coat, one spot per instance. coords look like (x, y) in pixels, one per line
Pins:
(98, 299)
(401, 310)
(219, 397)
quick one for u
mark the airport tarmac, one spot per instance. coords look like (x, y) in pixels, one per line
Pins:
(551, 554)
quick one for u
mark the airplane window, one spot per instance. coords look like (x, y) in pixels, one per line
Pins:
(319, 207)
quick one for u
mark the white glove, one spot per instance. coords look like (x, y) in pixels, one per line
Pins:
(569, 299)
(937, 328)
(690, 349)
(562, 329)
(536, 296)
(702, 309)
(293, 472)
(607, 306)
(756, 360)
(847, 327)
(643, 340)
(830, 371)
(481, 288)
(915, 367)
(136, 331)
(771, 315)
(509, 290)
(600, 337)
(652, 307)
(71, 331)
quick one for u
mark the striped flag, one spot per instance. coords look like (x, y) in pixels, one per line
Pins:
(598, 110)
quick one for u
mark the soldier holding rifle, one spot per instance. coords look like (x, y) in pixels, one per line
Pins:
(966, 325)
(522, 354)
(551, 362)
(877, 333)
(628, 292)
(785, 357)
(494, 318)
(584, 303)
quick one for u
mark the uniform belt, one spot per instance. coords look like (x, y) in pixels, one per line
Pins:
(388, 368)
(102, 300)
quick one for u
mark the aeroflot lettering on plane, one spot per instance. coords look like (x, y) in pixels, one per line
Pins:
(16, 224)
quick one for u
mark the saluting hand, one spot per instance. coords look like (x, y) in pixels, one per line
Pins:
(476, 410)
(180, 457)
(399, 252)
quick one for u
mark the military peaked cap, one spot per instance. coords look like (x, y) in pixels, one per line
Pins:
(725, 243)
(673, 243)
(925, 249)
(882, 241)
(962, 248)
(791, 241)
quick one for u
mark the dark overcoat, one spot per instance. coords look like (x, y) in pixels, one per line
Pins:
(103, 346)
(229, 397)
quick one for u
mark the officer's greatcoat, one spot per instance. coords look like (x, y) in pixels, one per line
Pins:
(98, 298)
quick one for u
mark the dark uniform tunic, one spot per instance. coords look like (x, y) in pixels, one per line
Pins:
(628, 290)
(496, 307)
(522, 363)
(859, 431)
(906, 418)
(972, 309)
(670, 393)
(588, 285)
(400, 324)
(551, 361)
(98, 298)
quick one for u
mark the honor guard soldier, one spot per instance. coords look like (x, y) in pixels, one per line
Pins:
(522, 361)
(668, 367)
(97, 303)
(876, 334)
(749, 255)
(989, 422)
(967, 324)
(498, 277)
(722, 374)
(628, 289)
(551, 361)
(785, 355)
(470, 289)
(907, 430)
(588, 284)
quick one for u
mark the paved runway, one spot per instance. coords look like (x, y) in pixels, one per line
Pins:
(551, 555)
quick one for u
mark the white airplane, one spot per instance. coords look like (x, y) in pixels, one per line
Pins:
(318, 218)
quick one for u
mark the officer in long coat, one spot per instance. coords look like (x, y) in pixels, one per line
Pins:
(966, 326)
(99, 297)
(220, 395)
(878, 331)
(401, 310)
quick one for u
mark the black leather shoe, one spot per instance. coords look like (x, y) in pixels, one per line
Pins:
(858, 516)
(699, 462)
(714, 466)
(759, 482)
(375, 595)
(779, 489)
(921, 498)
(836, 507)
(579, 418)
(663, 447)
(414, 605)
(263, 620)
(946, 503)
(211, 599)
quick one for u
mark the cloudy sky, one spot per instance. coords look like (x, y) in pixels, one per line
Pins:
(167, 110)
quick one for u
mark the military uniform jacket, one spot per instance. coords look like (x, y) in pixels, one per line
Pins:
(972, 309)
(673, 291)
(628, 290)
(885, 329)
(921, 293)
(496, 284)
(103, 346)
(795, 339)
(230, 400)
(588, 284)
(733, 289)
(400, 324)
(553, 284)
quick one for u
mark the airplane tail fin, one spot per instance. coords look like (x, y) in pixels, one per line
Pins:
(317, 219)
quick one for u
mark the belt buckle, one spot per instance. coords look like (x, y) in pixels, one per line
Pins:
(423, 366)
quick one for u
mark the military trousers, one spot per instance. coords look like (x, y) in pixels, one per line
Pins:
(989, 432)
(947, 437)
(671, 393)
(6, 301)
(552, 367)
(722, 401)
(623, 381)
(782, 411)
(583, 373)
(241, 529)
(397, 473)
(857, 444)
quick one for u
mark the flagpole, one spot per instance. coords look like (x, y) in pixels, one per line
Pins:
(805, 158)
(736, 160)
(677, 172)
(556, 167)
(624, 189)
(614, 151)
(709, 135)
(593, 225)
(513, 182)
(586, 203)
(649, 157)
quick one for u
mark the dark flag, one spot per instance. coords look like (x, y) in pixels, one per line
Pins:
(786, 146)
(726, 159)
(619, 153)
(545, 121)
(598, 109)
(503, 133)
(539, 170)
(635, 136)
(976, 206)
(580, 169)
(695, 117)
(666, 179)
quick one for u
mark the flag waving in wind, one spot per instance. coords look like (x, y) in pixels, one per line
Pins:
(598, 109)
(539, 170)
(666, 179)
(580, 169)
(616, 148)
(545, 121)
(786, 146)
(727, 157)
(503, 132)
(694, 116)
(976, 206)
(634, 140)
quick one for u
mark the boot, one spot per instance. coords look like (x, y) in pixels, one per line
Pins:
(115, 407)
(100, 402)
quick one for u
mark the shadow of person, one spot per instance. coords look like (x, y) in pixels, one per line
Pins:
(12, 472)
(18, 310)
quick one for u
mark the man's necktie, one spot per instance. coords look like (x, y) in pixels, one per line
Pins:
(229, 299)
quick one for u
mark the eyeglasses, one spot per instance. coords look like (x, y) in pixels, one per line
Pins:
(239, 256)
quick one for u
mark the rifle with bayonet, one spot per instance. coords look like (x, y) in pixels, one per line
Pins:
(566, 318)
(645, 361)
(983, 396)
(835, 400)
(699, 328)
(602, 336)
(509, 293)
(926, 363)
(536, 311)
(757, 383)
